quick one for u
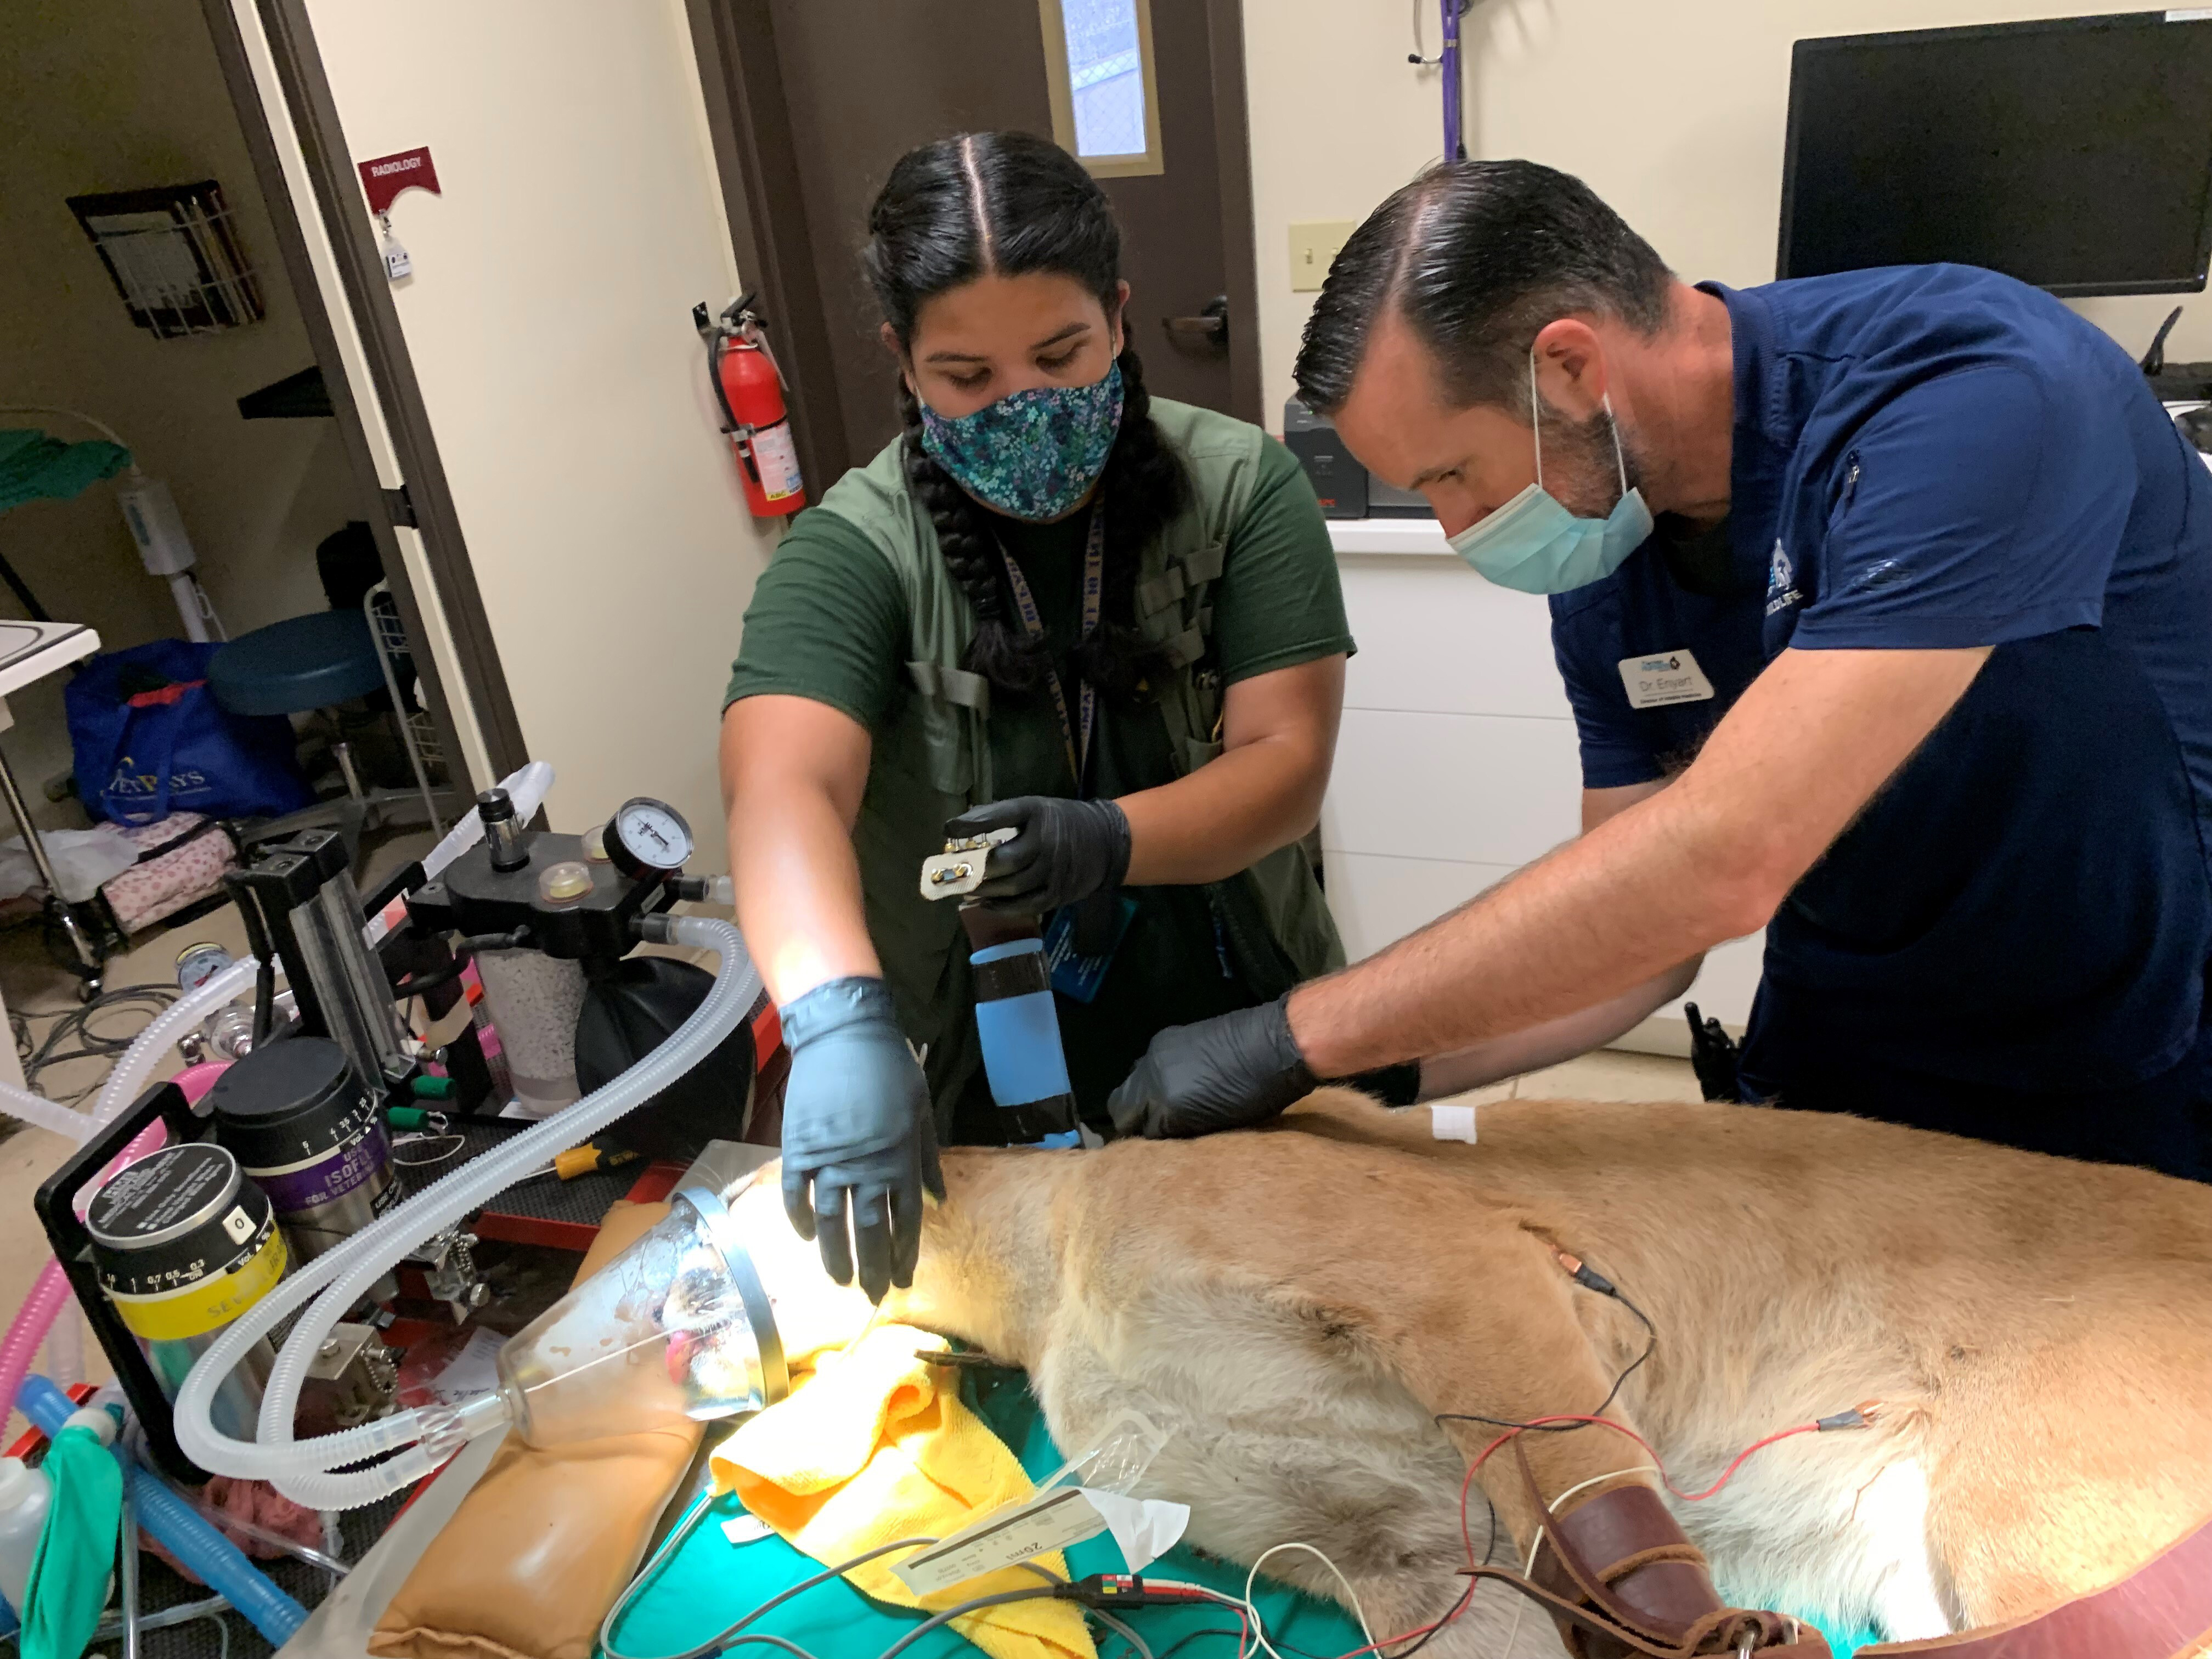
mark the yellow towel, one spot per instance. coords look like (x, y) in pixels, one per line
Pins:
(869, 1447)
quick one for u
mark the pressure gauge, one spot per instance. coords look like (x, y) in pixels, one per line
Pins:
(647, 837)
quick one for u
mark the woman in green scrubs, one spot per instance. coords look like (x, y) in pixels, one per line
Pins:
(1055, 604)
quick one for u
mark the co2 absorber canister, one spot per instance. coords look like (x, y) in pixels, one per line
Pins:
(183, 1244)
(306, 1130)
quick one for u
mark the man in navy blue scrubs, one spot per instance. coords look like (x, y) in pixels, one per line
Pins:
(1884, 601)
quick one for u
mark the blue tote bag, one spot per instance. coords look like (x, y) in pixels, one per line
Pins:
(149, 739)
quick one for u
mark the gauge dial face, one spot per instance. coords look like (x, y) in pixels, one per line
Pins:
(651, 834)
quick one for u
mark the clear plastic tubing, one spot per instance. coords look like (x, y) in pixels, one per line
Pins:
(43, 1113)
(189, 1537)
(424, 1437)
(64, 1353)
(440, 1431)
(149, 1047)
(138, 1062)
(50, 1296)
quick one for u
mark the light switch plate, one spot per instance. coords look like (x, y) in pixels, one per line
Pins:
(1314, 248)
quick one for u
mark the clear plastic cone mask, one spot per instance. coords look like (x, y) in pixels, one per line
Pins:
(697, 1320)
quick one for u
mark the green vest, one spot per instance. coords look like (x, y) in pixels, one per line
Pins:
(931, 756)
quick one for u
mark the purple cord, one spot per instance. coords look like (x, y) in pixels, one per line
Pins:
(1454, 150)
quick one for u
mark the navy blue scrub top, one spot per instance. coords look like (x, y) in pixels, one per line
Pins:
(2011, 941)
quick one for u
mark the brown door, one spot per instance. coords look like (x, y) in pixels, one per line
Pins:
(813, 100)
(1177, 225)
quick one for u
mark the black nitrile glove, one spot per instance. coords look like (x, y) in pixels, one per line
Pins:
(1067, 851)
(857, 1129)
(1228, 1072)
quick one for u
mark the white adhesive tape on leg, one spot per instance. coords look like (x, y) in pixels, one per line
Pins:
(1452, 1123)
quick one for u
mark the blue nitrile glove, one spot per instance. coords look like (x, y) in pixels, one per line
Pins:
(857, 1129)
(1067, 851)
(1228, 1072)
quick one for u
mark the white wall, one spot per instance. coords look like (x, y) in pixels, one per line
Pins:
(548, 318)
(103, 96)
(1673, 114)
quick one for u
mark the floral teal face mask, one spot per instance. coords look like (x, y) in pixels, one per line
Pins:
(1034, 455)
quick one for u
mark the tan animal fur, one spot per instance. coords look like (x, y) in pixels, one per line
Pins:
(1297, 1302)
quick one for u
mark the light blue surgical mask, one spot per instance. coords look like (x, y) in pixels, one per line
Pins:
(1535, 545)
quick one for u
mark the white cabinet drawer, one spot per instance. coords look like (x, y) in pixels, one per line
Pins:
(1466, 787)
(1435, 637)
(1377, 901)
(1729, 978)
(1725, 984)
(1724, 991)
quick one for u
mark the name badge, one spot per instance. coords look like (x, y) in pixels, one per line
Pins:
(1074, 974)
(1664, 677)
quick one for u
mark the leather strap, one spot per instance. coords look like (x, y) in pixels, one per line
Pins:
(2163, 1610)
(1623, 1550)
(1620, 1578)
(1652, 1599)
(1589, 1634)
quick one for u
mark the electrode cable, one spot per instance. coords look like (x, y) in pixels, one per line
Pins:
(1589, 1280)
(1252, 1576)
(735, 1634)
(722, 1639)
(75, 1023)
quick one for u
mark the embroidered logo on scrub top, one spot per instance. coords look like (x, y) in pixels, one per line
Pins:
(1781, 593)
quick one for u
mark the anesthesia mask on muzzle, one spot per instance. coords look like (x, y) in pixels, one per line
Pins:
(678, 1328)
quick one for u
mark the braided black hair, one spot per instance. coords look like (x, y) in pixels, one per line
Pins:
(1008, 204)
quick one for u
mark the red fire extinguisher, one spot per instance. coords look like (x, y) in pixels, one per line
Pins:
(749, 386)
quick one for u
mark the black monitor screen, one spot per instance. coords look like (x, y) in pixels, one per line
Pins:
(2073, 154)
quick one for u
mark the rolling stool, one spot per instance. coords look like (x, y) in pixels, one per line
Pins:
(297, 666)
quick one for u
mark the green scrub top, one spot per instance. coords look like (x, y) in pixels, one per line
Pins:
(828, 622)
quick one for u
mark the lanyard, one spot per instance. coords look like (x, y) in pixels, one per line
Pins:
(1094, 566)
